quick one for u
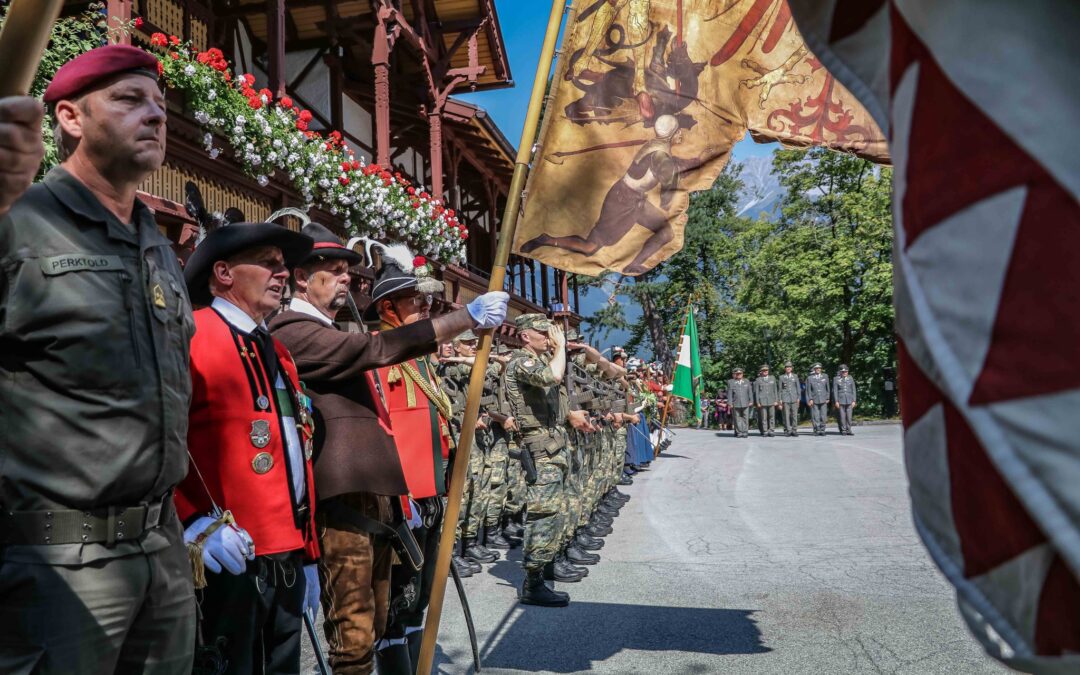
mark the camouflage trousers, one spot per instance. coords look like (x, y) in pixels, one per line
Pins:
(515, 485)
(493, 485)
(546, 510)
(573, 496)
(472, 498)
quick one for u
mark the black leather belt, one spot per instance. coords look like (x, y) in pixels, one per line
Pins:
(96, 526)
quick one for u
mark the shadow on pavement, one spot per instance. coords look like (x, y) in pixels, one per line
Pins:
(571, 639)
(664, 455)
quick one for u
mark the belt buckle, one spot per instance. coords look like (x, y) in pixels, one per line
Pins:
(153, 514)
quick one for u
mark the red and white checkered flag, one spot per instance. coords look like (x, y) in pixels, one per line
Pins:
(980, 99)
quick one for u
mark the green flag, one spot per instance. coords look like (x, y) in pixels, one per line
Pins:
(687, 382)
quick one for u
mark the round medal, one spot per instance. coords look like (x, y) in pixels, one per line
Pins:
(262, 463)
(263, 403)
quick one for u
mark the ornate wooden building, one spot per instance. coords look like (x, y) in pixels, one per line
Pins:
(382, 72)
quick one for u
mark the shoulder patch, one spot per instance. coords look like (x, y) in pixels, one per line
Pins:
(529, 363)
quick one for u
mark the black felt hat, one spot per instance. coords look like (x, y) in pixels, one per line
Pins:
(328, 245)
(227, 241)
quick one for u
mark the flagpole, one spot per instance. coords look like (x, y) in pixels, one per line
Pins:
(667, 401)
(26, 32)
(476, 380)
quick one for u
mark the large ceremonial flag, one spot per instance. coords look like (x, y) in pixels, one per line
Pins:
(686, 383)
(983, 97)
(649, 97)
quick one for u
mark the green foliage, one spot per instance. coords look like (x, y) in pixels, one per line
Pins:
(814, 284)
(71, 36)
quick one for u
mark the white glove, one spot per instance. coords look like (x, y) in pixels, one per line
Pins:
(415, 520)
(227, 547)
(489, 310)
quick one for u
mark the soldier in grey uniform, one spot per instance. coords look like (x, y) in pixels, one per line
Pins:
(790, 393)
(94, 389)
(741, 396)
(767, 400)
(817, 397)
(843, 393)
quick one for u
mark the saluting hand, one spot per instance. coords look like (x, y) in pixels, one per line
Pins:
(557, 337)
(21, 148)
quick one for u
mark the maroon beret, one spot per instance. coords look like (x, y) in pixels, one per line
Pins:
(86, 70)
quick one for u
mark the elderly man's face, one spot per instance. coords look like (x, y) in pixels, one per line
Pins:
(325, 284)
(254, 279)
(120, 128)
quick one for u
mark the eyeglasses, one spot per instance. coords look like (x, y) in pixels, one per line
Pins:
(417, 301)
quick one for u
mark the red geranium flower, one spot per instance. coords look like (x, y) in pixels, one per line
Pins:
(355, 165)
(411, 190)
(138, 22)
(173, 40)
(419, 261)
(255, 102)
(159, 40)
(285, 102)
(160, 68)
(344, 180)
(249, 79)
(267, 93)
(173, 55)
(305, 115)
(301, 125)
(345, 166)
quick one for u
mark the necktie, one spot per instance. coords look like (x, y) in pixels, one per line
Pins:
(267, 353)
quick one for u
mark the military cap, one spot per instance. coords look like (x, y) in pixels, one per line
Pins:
(227, 241)
(466, 337)
(816, 365)
(537, 322)
(843, 368)
(573, 335)
(737, 370)
(764, 366)
(86, 71)
(789, 364)
(328, 245)
(502, 348)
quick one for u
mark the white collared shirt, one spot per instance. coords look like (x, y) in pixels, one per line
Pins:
(305, 307)
(239, 320)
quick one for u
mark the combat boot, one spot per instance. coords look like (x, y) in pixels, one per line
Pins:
(626, 480)
(594, 530)
(558, 571)
(601, 519)
(578, 556)
(587, 543)
(535, 592)
(513, 529)
(477, 553)
(568, 566)
(394, 660)
(463, 567)
(606, 511)
(493, 538)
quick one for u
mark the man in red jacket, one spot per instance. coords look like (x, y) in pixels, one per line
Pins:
(250, 440)
(357, 468)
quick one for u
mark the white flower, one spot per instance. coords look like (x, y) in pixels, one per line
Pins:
(201, 117)
(189, 70)
(211, 95)
(214, 152)
(263, 181)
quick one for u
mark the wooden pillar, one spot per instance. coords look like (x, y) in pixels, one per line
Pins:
(435, 147)
(577, 297)
(275, 43)
(119, 13)
(380, 58)
(532, 277)
(337, 89)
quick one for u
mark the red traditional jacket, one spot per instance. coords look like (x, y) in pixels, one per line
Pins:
(421, 433)
(237, 442)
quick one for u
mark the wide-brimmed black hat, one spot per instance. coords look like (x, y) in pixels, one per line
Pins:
(328, 245)
(227, 241)
(399, 272)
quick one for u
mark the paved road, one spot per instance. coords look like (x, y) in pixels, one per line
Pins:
(740, 556)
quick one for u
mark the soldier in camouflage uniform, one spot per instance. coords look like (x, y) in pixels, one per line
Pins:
(455, 373)
(513, 506)
(494, 484)
(582, 448)
(533, 394)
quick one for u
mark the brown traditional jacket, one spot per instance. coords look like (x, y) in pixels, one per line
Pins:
(354, 445)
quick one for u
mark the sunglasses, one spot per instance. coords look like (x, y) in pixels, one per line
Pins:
(416, 301)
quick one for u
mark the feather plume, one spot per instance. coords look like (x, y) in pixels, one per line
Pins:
(290, 211)
(400, 255)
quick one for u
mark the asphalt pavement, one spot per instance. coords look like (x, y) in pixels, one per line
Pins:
(763, 555)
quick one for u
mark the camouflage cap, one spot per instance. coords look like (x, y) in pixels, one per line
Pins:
(466, 337)
(843, 368)
(789, 364)
(573, 335)
(503, 348)
(537, 322)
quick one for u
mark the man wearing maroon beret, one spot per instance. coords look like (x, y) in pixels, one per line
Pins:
(95, 325)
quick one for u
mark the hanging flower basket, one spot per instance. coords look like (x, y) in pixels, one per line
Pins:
(268, 135)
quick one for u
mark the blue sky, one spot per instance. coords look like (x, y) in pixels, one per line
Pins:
(523, 23)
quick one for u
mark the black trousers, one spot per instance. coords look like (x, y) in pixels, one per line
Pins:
(410, 591)
(133, 614)
(259, 613)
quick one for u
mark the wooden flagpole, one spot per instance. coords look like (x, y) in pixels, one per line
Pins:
(667, 400)
(476, 380)
(22, 42)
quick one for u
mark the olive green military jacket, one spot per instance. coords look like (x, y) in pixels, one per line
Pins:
(95, 324)
(535, 397)
(789, 388)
